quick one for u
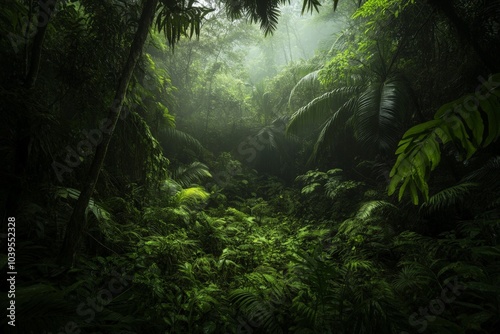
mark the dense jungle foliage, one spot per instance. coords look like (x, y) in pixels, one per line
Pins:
(254, 166)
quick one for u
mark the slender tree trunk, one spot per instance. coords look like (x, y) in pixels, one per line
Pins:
(26, 36)
(44, 14)
(289, 41)
(76, 224)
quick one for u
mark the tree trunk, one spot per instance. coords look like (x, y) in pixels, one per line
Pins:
(44, 14)
(76, 224)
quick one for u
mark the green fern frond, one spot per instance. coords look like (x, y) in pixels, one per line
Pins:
(369, 209)
(359, 264)
(463, 270)
(192, 195)
(412, 276)
(449, 197)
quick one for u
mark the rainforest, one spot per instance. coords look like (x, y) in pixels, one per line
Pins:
(250, 167)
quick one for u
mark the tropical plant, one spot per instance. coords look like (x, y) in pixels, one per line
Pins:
(374, 112)
(468, 123)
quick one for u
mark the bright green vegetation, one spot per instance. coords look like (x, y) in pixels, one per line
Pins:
(174, 169)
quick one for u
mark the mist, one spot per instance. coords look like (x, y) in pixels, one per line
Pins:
(254, 166)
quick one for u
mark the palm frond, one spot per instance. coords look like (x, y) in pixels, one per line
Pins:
(265, 12)
(309, 81)
(381, 114)
(180, 18)
(412, 276)
(319, 109)
(174, 137)
(191, 174)
(487, 175)
(334, 127)
(269, 138)
(258, 301)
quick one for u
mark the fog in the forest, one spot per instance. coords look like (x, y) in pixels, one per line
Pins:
(250, 167)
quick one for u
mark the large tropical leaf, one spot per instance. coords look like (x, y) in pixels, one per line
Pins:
(470, 123)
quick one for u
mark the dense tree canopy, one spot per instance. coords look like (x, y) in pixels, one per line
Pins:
(256, 166)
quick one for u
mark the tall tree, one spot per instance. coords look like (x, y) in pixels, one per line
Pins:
(46, 8)
(176, 18)
(76, 223)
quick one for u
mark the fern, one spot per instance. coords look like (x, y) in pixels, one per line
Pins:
(449, 197)
(259, 302)
(468, 127)
(192, 196)
(368, 209)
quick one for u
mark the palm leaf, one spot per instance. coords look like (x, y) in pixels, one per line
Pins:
(309, 81)
(319, 109)
(336, 125)
(381, 114)
(369, 209)
(191, 174)
(180, 18)
(175, 138)
(486, 174)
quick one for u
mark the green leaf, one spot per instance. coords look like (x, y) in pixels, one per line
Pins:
(460, 122)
